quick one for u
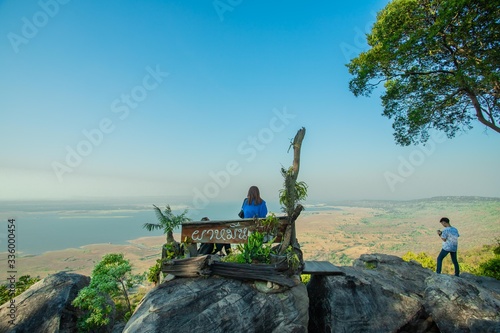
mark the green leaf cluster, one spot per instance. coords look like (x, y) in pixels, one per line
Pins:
(292, 192)
(305, 278)
(254, 250)
(269, 226)
(439, 63)
(491, 267)
(292, 258)
(423, 258)
(167, 221)
(111, 278)
(22, 284)
(154, 272)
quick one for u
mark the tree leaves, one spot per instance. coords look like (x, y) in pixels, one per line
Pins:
(111, 276)
(168, 221)
(439, 62)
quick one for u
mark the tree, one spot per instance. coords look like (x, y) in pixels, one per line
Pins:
(168, 221)
(111, 276)
(439, 62)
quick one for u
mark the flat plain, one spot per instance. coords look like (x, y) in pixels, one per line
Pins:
(338, 233)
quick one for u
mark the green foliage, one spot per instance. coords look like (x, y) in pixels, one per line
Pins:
(305, 278)
(269, 225)
(167, 221)
(254, 250)
(24, 283)
(496, 251)
(170, 250)
(154, 272)
(438, 61)
(235, 257)
(111, 276)
(491, 267)
(21, 285)
(290, 195)
(98, 309)
(423, 258)
(370, 265)
(292, 258)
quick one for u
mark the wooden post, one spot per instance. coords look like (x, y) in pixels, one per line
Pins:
(293, 211)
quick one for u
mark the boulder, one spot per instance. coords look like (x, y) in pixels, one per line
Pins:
(379, 293)
(460, 305)
(219, 304)
(383, 293)
(45, 307)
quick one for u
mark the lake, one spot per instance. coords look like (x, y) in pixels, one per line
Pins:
(51, 226)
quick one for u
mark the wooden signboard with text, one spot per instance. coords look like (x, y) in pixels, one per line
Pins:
(227, 231)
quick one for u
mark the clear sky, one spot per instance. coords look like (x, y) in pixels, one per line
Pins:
(200, 99)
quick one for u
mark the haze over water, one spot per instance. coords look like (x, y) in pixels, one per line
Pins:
(51, 226)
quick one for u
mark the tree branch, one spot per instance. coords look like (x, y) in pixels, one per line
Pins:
(439, 71)
(479, 112)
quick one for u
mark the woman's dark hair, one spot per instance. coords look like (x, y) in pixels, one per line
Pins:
(254, 196)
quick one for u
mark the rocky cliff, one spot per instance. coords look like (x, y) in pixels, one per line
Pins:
(379, 293)
(382, 293)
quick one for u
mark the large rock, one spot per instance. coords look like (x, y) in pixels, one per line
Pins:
(220, 305)
(382, 293)
(459, 305)
(45, 307)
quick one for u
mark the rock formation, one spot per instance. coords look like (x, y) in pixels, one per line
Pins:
(220, 305)
(45, 307)
(382, 293)
(379, 293)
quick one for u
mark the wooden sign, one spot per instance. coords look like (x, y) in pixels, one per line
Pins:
(226, 232)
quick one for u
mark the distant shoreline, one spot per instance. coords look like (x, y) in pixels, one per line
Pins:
(325, 232)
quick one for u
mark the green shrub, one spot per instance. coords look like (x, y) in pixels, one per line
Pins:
(153, 275)
(21, 285)
(491, 268)
(423, 258)
(254, 250)
(110, 277)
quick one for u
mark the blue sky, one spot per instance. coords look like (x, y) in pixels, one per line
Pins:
(199, 100)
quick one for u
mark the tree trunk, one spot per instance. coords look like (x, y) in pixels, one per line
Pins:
(125, 294)
(170, 237)
(289, 238)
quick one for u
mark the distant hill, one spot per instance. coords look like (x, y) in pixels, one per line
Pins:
(438, 199)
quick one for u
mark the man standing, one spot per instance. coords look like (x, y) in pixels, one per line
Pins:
(449, 235)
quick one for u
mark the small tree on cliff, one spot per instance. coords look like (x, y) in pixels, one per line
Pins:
(111, 277)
